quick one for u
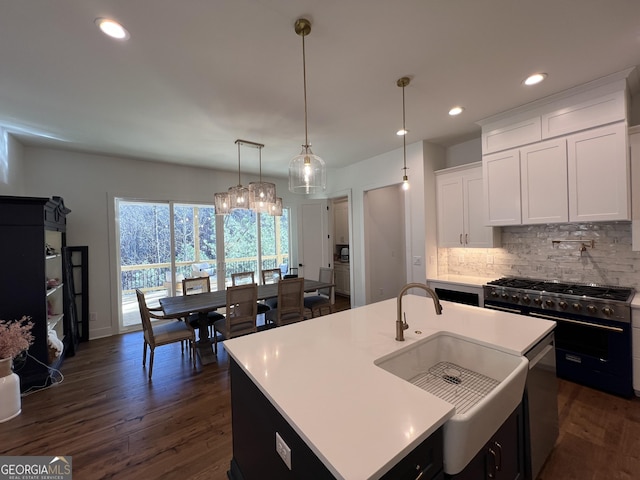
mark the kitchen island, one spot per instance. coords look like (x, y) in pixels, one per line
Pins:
(356, 419)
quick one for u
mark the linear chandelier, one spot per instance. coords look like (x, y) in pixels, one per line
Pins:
(307, 171)
(259, 197)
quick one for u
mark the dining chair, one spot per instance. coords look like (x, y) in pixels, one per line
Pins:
(290, 303)
(191, 286)
(242, 310)
(271, 275)
(156, 335)
(244, 278)
(324, 297)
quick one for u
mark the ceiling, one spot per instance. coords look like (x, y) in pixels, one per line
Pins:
(196, 75)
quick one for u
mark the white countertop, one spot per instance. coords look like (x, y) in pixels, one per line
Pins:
(357, 418)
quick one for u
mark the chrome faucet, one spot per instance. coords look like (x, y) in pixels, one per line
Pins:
(402, 325)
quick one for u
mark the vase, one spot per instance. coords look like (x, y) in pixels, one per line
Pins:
(10, 402)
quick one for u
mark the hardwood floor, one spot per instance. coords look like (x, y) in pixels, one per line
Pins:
(117, 424)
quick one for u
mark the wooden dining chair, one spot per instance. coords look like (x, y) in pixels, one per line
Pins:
(324, 299)
(156, 335)
(240, 319)
(191, 286)
(290, 303)
(244, 278)
(271, 275)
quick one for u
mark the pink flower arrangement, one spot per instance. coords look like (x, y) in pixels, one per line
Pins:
(15, 337)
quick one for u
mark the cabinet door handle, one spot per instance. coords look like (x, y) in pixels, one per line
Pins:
(499, 456)
(460, 239)
(421, 474)
(466, 239)
(491, 465)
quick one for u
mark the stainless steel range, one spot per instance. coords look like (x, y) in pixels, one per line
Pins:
(593, 333)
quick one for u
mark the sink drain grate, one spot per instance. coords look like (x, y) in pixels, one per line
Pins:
(454, 384)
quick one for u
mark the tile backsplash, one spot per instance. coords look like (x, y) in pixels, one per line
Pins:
(529, 251)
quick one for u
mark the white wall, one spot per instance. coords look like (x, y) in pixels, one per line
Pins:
(87, 182)
(381, 171)
(11, 165)
(464, 153)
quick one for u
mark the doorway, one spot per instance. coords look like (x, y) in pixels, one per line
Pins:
(385, 243)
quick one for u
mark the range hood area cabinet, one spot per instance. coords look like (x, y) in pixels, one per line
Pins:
(583, 177)
(562, 159)
(460, 207)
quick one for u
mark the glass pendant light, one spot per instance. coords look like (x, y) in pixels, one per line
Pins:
(221, 203)
(262, 195)
(307, 171)
(403, 82)
(276, 208)
(238, 195)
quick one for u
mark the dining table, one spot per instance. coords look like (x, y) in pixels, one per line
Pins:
(181, 306)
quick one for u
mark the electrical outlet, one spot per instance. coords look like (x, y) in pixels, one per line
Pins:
(283, 450)
(93, 317)
(489, 259)
(417, 261)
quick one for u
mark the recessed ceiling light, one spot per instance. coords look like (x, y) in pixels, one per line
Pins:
(457, 110)
(112, 28)
(535, 78)
(402, 132)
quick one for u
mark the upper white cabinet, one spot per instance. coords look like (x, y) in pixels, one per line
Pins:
(599, 177)
(459, 194)
(543, 182)
(501, 176)
(341, 222)
(581, 173)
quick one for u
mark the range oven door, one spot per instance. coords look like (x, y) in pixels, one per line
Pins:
(593, 352)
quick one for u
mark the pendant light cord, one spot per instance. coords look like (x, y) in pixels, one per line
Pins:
(239, 183)
(304, 81)
(404, 136)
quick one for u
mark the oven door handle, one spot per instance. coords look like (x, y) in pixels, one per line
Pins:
(502, 309)
(578, 322)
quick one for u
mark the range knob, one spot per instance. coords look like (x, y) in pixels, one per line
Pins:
(526, 300)
(608, 311)
(515, 298)
(537, 301)
(494, 293)
(548, 303)
(505, 296)
(591, 309)
(577, 307)
(563, 305)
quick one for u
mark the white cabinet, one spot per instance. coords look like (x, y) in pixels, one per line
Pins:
(543, 181)
(634, 146)
(341, 223)
(579, 178)
(501, 177)
(599, 174)
(460, 209)
(342, 278)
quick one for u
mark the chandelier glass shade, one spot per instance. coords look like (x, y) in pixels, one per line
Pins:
(259, 197)
(307, 171)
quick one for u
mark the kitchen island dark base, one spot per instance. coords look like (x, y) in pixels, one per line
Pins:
(255, 422)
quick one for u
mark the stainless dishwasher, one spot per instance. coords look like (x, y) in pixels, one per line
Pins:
(540, 406)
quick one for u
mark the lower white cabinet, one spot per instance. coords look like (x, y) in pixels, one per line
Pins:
(342, 278)
(461, 209)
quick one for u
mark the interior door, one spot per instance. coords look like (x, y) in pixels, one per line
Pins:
(312, 234)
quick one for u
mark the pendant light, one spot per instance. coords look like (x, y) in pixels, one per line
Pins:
(307, 171)
(262, 195)
(403, 82)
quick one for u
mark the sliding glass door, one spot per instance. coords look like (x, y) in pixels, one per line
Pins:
(160, 243)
